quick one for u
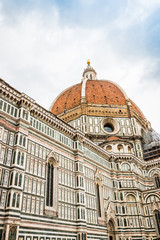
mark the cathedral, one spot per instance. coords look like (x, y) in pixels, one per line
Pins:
(86, 169)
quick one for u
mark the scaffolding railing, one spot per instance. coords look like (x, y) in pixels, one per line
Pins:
(151, 144)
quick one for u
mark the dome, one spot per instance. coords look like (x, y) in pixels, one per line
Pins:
(93, 96)
(96, 92)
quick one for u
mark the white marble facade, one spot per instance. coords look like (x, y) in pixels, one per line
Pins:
(56, 184)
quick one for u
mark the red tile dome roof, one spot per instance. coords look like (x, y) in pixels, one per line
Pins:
(113, 138)
(93, 92)
(104, 92)
(96, 92)
(68, 99)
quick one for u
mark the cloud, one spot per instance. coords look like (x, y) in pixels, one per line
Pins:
(44, 48)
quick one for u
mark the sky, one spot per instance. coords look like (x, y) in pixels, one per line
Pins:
(45, 44)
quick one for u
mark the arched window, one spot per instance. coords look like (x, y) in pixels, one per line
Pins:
(117, 165)
(109, 148)
(14, 200)
(77, 197)
(131, 205)
(22, 159)
(131, 198)
(129, 149)
(16, 139)
(12, 233)
(123, 209)
(98, 201)
(8, 200)
(125, 167)
(20, 140)
(11, 179)
(18, 158)
(49, 186)
(82, 214)
(16, 179)
(14, 157)
(118, 221)
(20, 180)
(24, 141)
(120, 148)
(157, 220)
(157, 181)
(121, 196)
(51, 203)
(111, 230)
(81, 182)
(18, 200)
(77, 181)
(125, 222)
(152, 198)
(116, 209)
(78, 214)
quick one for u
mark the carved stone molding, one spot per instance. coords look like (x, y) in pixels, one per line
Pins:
(98, 177)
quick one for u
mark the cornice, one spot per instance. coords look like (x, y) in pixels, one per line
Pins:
(129, 157)
(52, 120)
(21, 99)
(15, 96)
(152, 163)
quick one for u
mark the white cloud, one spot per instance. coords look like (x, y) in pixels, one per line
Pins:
(136, 13)
(87, 3)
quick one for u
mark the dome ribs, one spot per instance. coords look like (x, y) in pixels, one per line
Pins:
(104, 92)
(74, 97)
(137, 110)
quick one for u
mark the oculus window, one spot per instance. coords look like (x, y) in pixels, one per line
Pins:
(108, 128)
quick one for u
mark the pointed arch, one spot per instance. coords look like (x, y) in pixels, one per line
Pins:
(152, 197)
(52, 157)
(111, 224)
(125, 166)
(12, 233)
(131, 196)
(99, 193)
(153, 172)
(111, 229)
(51, 184)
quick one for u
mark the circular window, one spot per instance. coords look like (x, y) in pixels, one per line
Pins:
(109, 148)
(108, 127)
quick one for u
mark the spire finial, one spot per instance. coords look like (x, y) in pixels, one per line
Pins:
(89, 72)
(88, 62)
